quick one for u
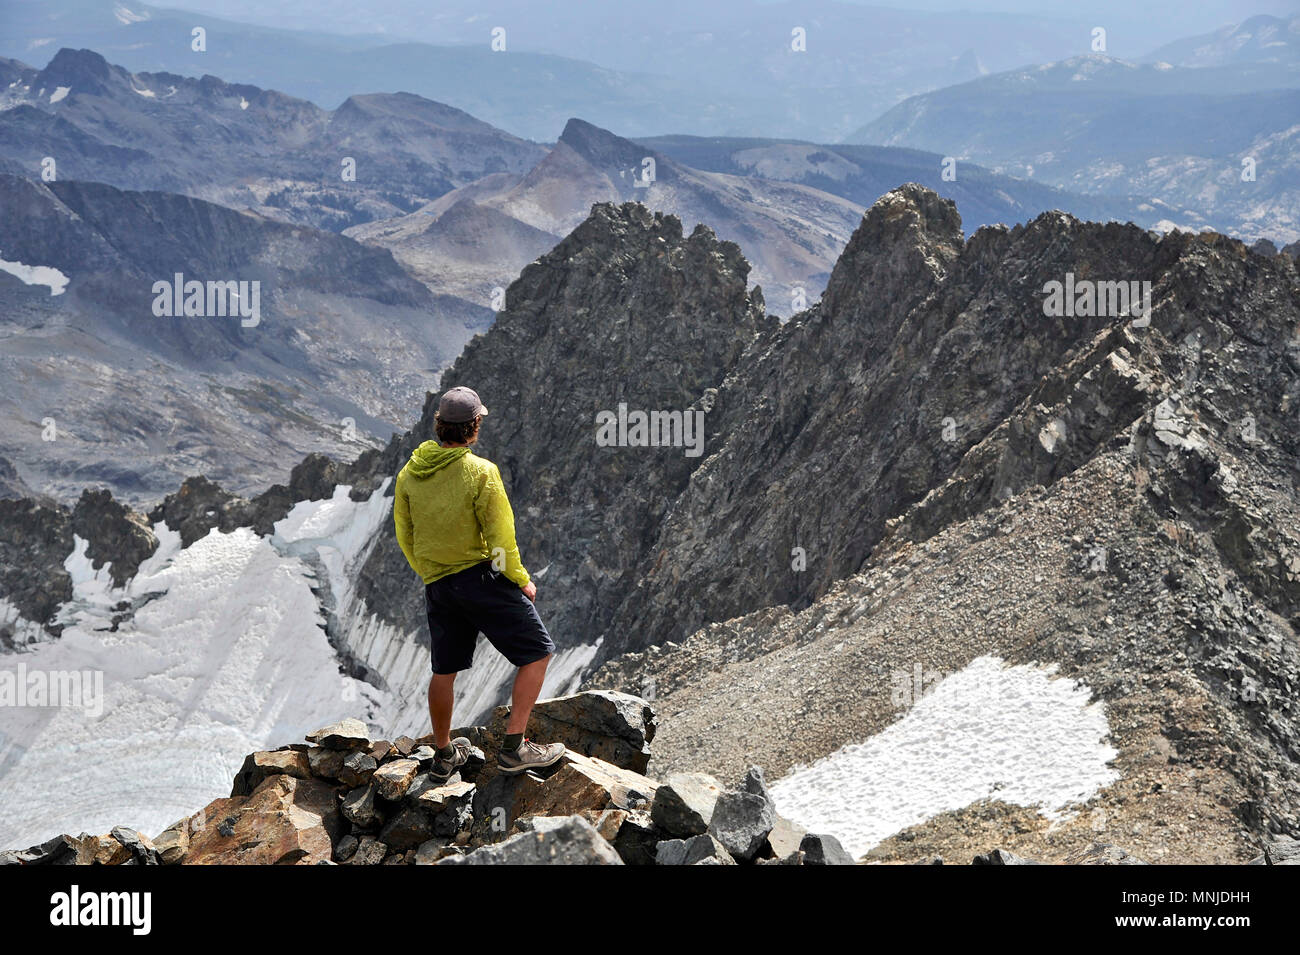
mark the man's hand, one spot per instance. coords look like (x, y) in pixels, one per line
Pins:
(531, 591)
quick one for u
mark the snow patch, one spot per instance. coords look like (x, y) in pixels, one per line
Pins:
(127, 17)
(59, 93)
(989, 731)
(37, 275)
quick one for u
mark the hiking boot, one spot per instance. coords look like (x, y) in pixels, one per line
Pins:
(443, 768)
(529, 755)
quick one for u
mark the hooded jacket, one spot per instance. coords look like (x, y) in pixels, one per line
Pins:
(451, 512)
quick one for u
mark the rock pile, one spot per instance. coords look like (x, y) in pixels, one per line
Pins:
(346, 799)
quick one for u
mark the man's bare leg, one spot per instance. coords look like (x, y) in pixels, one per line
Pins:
(528, 683)
(442, 698)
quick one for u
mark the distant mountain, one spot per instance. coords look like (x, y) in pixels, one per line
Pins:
(686, 68)
(1269, 45)
(97, 388)
(478, 237)
(862, 174)
(1098, 125)
(243, 146)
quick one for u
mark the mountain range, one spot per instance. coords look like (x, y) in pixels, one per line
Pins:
(102, 389)
(1216, 143)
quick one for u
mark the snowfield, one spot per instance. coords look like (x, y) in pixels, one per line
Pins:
(229, 659)
(989, 731)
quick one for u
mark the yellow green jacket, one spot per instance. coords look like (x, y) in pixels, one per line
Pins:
(451, 512)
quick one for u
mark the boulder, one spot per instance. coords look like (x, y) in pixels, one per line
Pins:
(578, 785)
(407, 829)
(357, 769)
(140, 848)
(346, 848)
(573, 842)
(392, 779)
(637, 839)
(345, 734)
(285, 821)
(824, 850)
(359, 807)
(326, 763)
(258, 766)
(697, 850)
(684, 804)
(437, 798)
(610, 823)
(614, 727)
(742, 819)
(173, 843)
(61, 850)
(122, 846)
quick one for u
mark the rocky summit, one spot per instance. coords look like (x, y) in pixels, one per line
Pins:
(342, 798)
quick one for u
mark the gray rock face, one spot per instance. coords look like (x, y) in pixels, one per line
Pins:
(630, 274)
(33, 535)
(576, 842)
(1127, 486)
(1282, 850)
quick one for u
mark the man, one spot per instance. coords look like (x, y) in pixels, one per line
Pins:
(456, 528)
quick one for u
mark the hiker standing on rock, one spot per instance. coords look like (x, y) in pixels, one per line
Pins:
(456, 528)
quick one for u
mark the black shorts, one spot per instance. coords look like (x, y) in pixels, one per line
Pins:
(480, 599)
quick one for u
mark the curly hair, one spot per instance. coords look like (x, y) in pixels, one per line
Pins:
(450, 432)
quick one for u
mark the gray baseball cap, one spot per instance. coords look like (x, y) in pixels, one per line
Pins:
(460, 405)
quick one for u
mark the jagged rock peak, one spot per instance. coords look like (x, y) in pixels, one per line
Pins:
(82, 70)
(900, 251)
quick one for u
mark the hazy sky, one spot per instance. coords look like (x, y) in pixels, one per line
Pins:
(1159, 21)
